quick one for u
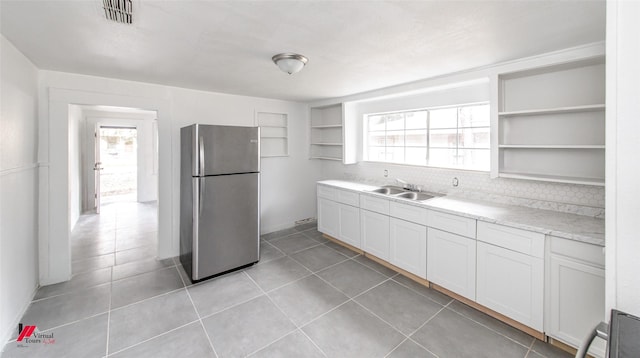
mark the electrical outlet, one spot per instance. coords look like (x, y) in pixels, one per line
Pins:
(386, 173)
(455, 182)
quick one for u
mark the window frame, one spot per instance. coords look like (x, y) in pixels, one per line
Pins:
(458, 129)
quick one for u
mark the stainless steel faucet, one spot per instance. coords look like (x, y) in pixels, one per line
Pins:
(408, 186)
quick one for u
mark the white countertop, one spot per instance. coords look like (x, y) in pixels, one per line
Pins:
(570, 226)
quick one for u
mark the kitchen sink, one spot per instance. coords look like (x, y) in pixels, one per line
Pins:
(412, 195)
(388, 190)
(401, 193)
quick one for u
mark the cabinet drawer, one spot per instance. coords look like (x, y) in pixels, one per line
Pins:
(349, 198)
(408, 212)
(526, 242)
(378, 205)
(452, 223)
(582, 251)
(328, 192)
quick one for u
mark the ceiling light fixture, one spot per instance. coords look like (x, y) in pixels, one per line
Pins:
(290, 62)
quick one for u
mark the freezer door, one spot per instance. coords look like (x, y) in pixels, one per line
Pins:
(227, 229)
(226, 150)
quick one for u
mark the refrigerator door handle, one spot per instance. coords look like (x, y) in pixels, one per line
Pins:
(201, 156)
(200, 194)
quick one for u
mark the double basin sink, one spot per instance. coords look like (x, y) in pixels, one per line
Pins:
(398, 192)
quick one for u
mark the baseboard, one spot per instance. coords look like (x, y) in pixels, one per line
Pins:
(16, 320)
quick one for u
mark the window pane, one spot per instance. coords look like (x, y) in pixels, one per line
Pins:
(395, 138)
(416, 156)
(395, 121)
(377, 154)
(376, 139)
(474, 138)
(443, 138)
(395, 155)
(474, 159)
(474, 116)
(442, 158)
(416, 138)
(376, 123)
(443, 118)
(416, 120)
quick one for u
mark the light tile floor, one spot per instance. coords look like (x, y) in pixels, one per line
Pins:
(307, 297)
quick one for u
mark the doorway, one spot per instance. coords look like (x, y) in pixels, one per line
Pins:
(116, 165)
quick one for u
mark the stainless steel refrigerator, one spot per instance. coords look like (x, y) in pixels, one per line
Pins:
(219, 199)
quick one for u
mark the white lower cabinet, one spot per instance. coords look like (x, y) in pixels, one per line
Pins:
(328, 217)
(575, 301)
(511, 283)
(374, 228)
(451, 262)
(349, 227)
(408, 246)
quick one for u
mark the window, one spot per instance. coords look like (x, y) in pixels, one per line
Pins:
(450, 137)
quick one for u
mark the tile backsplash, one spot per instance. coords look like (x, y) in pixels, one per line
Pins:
(578, 199)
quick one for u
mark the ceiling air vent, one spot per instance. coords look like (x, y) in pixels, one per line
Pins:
(118, 10)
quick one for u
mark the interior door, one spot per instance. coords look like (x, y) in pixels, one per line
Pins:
(97, 167)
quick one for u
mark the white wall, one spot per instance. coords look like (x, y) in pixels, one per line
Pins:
(623, 146)
(18, 186)
(466, 87)
(287, 184)
(75, 164)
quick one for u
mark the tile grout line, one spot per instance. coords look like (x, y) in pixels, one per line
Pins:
(109, 313)
(197, 313)
(152, 338)
(287, 316)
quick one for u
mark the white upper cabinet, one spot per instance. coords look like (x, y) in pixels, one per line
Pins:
(550, 123)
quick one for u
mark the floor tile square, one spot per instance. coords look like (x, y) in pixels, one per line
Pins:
(449, 334)
(93, 263)
(187, 341)
(55, 311)
(409, 349)
(548, 350)
(375, 266)
(269, 252)
(84, 251)
(147, 319)
(79, 281)
(307, 299)
(491, 323)
(351, 277)
(144, 239)
(293, 243)
(85, 338)
(351, 331)
(246, 328)
(341, 249)
(278, 234)
(307, 226)
(140, 253)
(136, 288)
(318, 257)
(295, 344)
(423, 290)
(402, 308)
(216, 294)
(137, 267)
(277, 273)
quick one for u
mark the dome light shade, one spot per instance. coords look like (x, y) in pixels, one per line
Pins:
(290, 62)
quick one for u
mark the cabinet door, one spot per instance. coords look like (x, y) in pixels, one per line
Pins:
(375, 233)
(328, 217)
(576, 301)
(409, 246)
(349, 225)
(511, 283)
(451, 262)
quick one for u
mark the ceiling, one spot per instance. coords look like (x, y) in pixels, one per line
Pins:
(352, 46)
